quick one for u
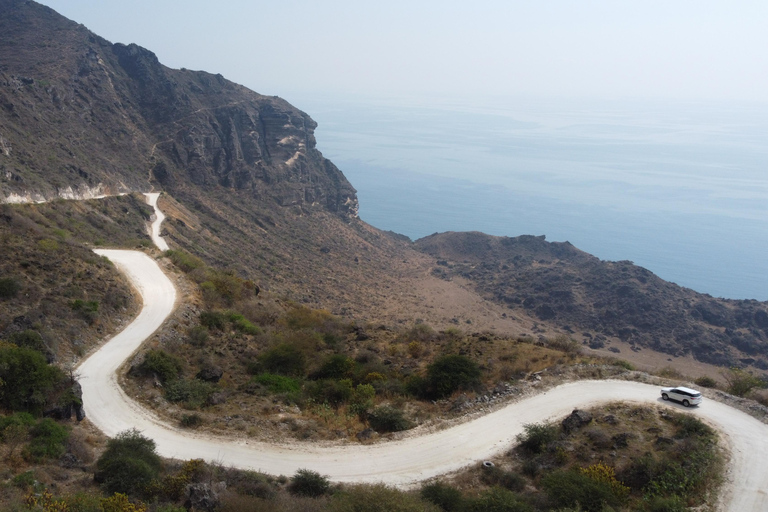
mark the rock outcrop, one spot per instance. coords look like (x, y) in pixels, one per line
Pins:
(557, 283)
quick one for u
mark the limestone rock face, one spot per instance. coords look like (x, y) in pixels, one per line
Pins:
(112, 117)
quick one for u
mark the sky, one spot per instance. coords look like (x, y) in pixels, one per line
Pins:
(670, 49)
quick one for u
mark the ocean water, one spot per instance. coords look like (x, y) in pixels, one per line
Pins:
(678, 188)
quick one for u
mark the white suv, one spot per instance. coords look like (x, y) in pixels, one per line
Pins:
(686, 396)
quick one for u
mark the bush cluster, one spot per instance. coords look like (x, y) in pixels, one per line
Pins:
(129, 465)
(193, 393)
(309, 483)
(49, 440)
(27, 379)
(536, 436)
(450, 373)
(9, 287)
(388, 419)
(159, 362)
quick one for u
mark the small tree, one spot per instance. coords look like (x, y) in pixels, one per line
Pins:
(129, 464)
(48, 439)
(166, 366)
(450, 373)
(741, 382)
(26, 378)
(9, 287)
(337, 366)
(497, 499)
(388, 419)
(537, 436)
(284, 359)
(309, 483)
(444, 496)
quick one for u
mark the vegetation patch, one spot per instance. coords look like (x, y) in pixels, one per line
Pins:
(129, 465)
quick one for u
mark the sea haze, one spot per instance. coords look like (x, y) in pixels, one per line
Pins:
(678, 188)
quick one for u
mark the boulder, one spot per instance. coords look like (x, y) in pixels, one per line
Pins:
(576, 420)
(210, 373)
(365, 435)
(203, 496)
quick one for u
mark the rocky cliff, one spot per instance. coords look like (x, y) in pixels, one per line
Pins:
(78, 113)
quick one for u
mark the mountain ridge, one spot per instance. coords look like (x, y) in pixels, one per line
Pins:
(140, 124)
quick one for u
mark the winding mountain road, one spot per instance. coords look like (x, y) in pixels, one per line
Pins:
(401, 463)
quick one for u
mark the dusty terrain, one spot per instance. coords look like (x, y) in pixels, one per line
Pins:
(403, 462)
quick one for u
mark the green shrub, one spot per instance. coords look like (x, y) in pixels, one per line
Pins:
(213, 320)
(665, 504)
(49, 440)
(565, 344)
(222, 286)
(624, 364)
(690, 426)
(417, 386)
(9, 287)
(25, 480)
(284, 359)
(240, 323)
(495, 476)
(191, 420)
(309, 483)
(170, 508)
(450, 373)
(29, 339)
(331, 392)
(159, 362)
(446, 497)
(536, 436)
(337, 366)
(128, 465)
(497, 499)
(301, 317)
(88, 309)
(278, 383)
(84, 502)
(185, 261)
(741, 382)
(420, 332)
(689, 478)
(706, 382)
(378, 498)
(388, 419)
(639, 473)
(27, 379)
(193, 393)
(573, 488)
(198, 336)
(362, 400)
(21, 419)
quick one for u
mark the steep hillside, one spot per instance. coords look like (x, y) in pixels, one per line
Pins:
(560, 284)
(54, 291)
(80, 115)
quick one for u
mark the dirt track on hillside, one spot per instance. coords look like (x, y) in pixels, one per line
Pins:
(402, 463)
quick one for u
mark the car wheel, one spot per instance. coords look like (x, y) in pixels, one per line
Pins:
(686, 403)
(665, 396)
